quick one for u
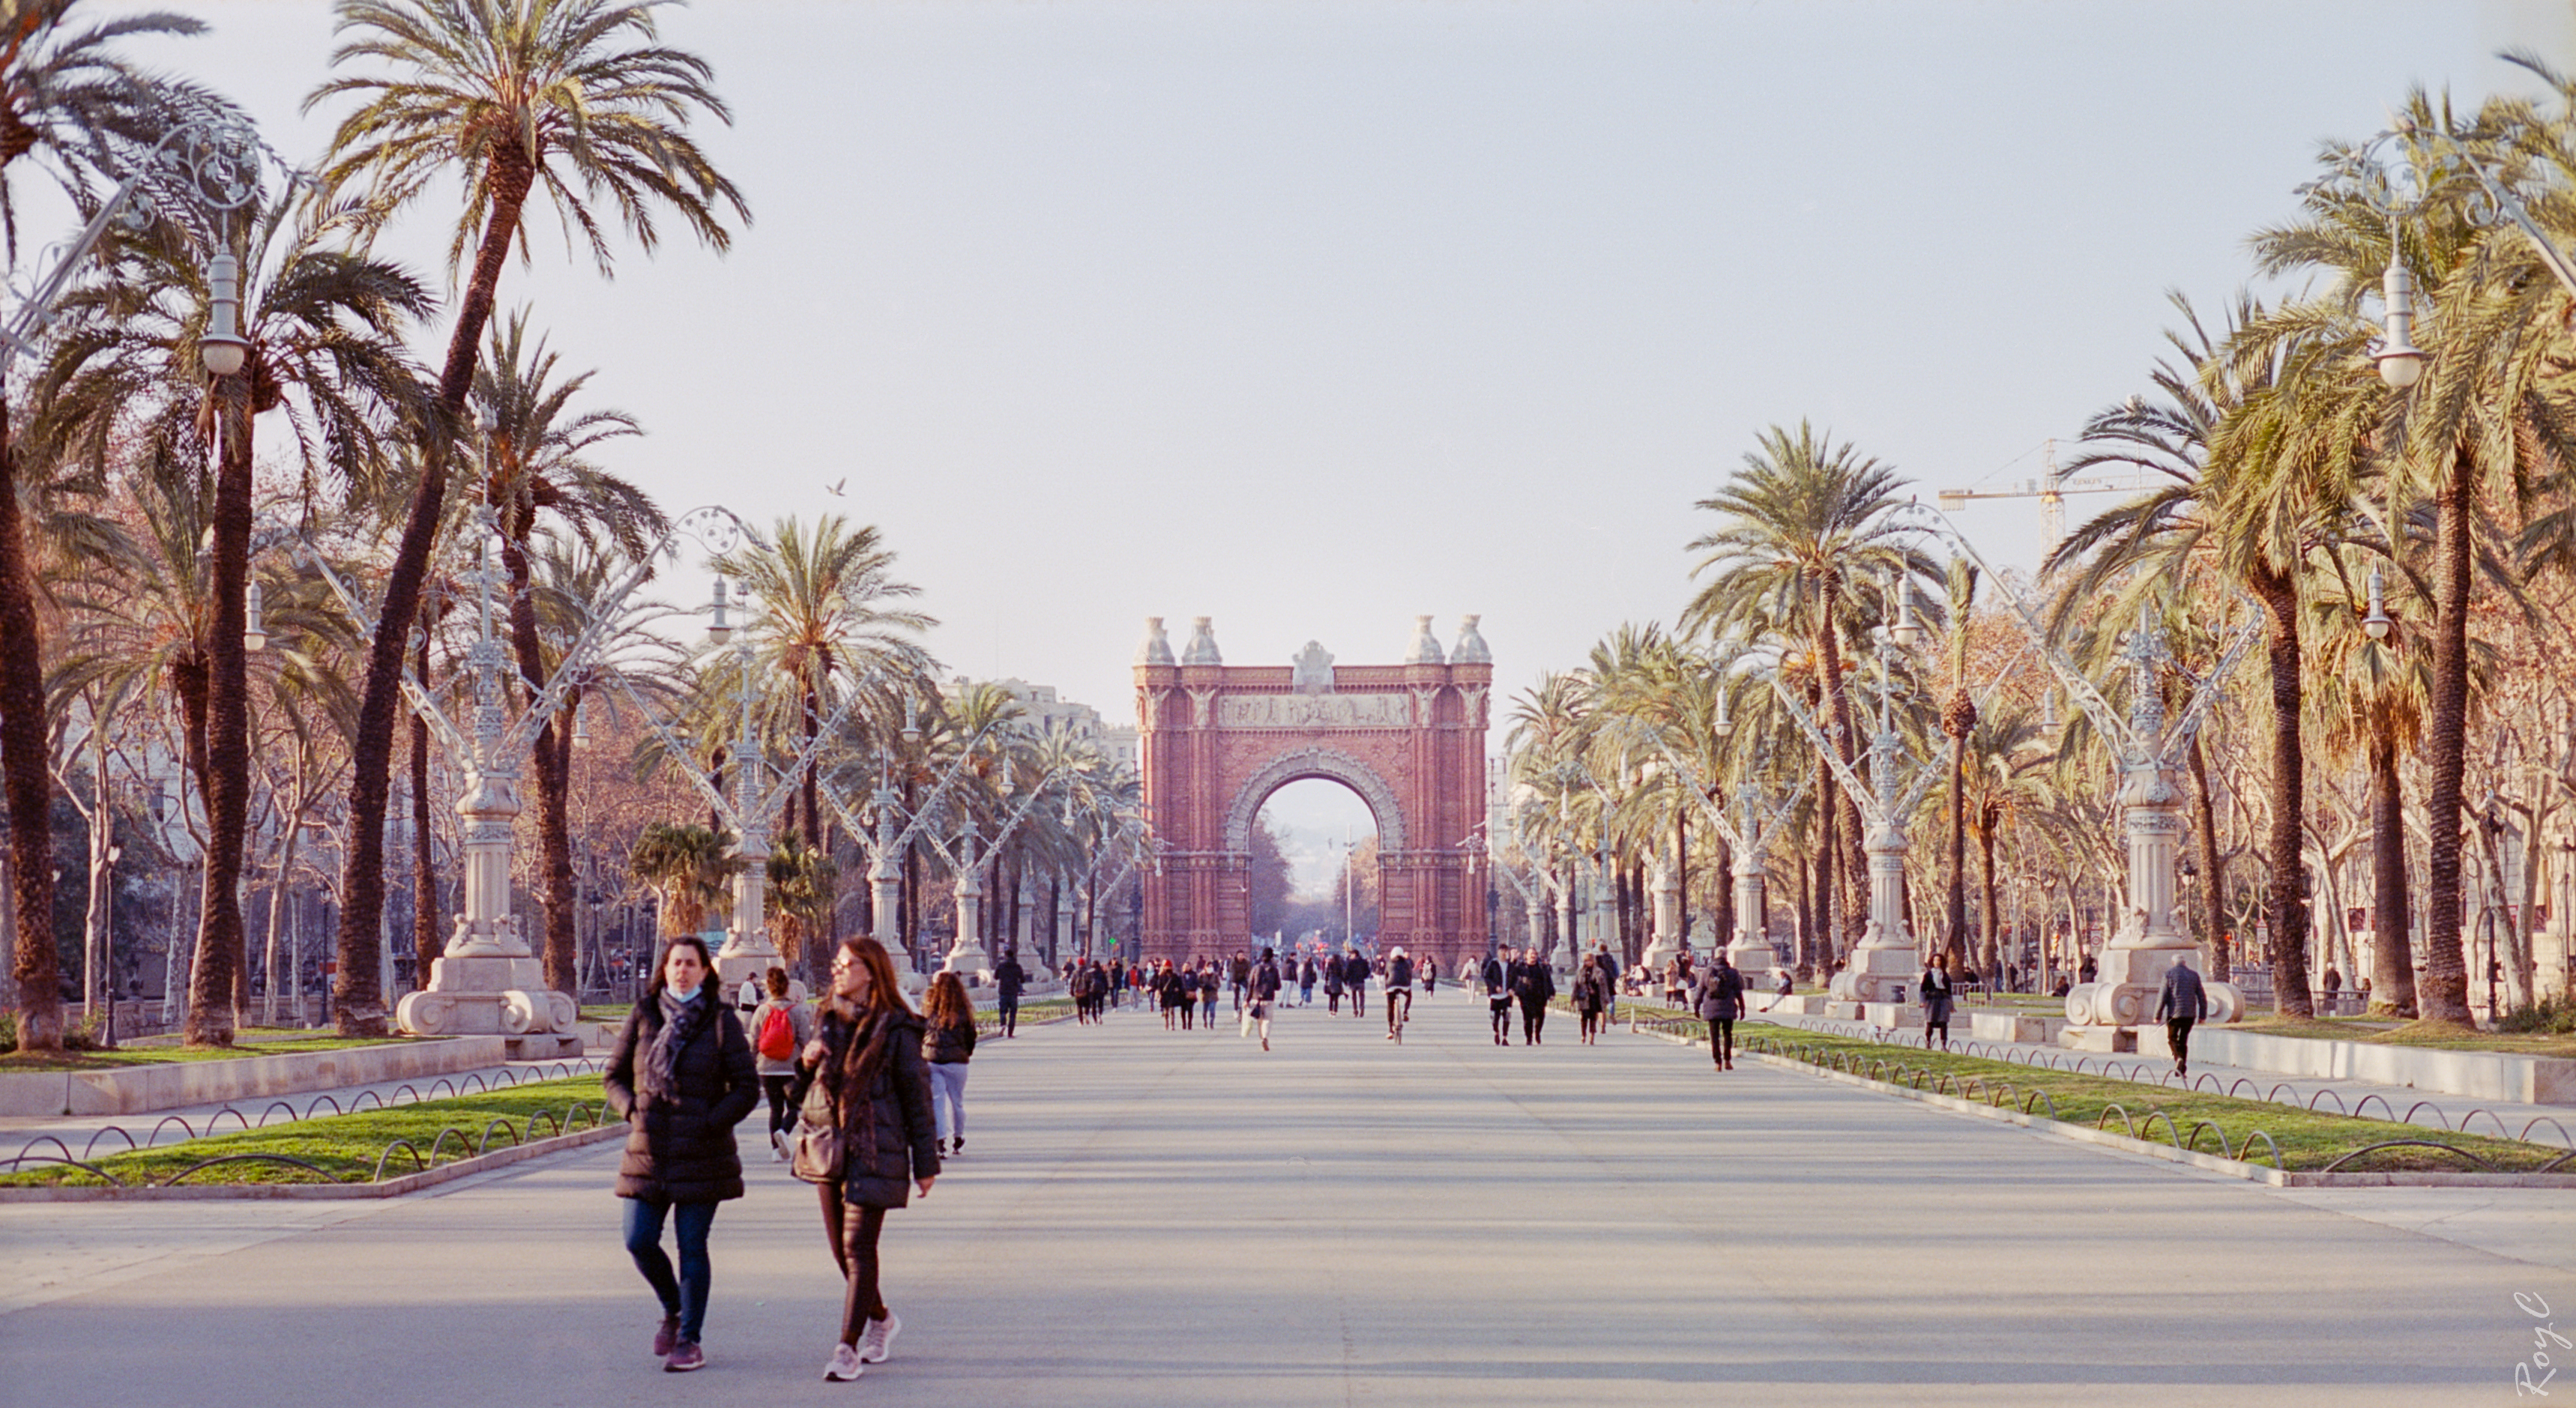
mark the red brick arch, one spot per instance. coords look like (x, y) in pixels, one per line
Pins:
(1215, 740)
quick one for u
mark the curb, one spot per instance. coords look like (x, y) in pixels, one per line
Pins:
(2124, 1144)
(390, 1188)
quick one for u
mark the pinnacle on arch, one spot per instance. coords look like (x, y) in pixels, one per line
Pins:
(1426, 647)
(1157, 647)
(1470, 649)
(1202, 647)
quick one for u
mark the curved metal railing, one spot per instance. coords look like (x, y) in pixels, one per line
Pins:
(508, 1076)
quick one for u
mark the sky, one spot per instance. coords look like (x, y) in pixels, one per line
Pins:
(1315, 317)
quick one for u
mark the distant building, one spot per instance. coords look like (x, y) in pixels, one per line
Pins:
(1050, 713)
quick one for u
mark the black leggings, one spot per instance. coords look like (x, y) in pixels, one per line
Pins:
(1721, 1039)
(780, 1121)
(1533, 1019)
(854, 1229)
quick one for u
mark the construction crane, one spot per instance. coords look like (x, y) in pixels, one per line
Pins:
(2051, 490)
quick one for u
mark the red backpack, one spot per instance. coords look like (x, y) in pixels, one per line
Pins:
(777, 1034)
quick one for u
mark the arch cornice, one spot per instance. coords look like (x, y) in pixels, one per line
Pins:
(1315, 761)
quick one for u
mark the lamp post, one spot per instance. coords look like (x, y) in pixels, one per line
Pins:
(2148, 748)
(1882, 965)
(487, 980)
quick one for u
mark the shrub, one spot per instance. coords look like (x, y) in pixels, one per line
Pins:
(2551, 1015)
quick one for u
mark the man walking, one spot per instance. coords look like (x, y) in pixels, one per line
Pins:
(1355, 976)
(2182, 1002)
(1008, 978)
(1498, 993)
(1239, 973)
(1534, 985)
(1719, 1000)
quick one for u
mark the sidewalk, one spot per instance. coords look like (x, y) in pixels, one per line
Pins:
(1148, 1217)
(2553, 1125)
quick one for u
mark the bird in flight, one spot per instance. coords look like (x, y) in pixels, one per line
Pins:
(835, 489)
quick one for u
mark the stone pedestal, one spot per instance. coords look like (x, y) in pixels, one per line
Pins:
(1666, 887)
(2129, 976)
(489, 983)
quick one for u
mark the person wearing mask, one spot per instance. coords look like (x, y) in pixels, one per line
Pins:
(779, 1028)
(1535, 986)
(681, 1076)
(949, 1043)
(1498, 993)
(864, 1074)
(1008, 980)
(1719, 1001)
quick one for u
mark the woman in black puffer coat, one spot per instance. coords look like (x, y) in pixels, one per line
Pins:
(682, 1077)
(867, 1064)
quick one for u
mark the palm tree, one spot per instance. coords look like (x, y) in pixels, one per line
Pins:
(324, 330)
(1803, 522)
(828, 627)
(66, 97)
(2370, 698)
(1958, 719)
(2266, 461)
(690, 866)
(532, 451)
(507, 97)
(2490, 420)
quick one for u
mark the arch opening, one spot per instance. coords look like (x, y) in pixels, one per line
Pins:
(1314, 866)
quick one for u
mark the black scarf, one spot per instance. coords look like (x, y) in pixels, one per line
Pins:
(681, 1023)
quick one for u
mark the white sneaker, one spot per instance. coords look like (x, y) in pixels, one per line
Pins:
(878, 1340)
(845, 1365)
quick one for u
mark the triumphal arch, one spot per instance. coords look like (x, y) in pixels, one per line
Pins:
(1215, 740)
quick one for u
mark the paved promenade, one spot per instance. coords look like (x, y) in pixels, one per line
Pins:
(1146, 1218)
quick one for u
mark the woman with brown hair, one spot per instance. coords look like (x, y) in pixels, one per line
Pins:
(950, 1044)
(866, 1064)
(682, 1077)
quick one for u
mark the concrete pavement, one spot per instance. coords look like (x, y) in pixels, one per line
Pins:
(1146, 1218)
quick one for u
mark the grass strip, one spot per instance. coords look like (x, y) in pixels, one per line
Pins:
(347, 1147)
(1032, 1014)
(123, 1057)
(2308, 1140)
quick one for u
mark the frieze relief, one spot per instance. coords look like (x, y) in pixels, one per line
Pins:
(1315, 711)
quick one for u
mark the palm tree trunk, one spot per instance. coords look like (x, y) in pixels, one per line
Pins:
(426, 945)
(2285, 905)
(2213, 876)
(554, 812)
(2392, 952)
(1987, 957)
(213, 988)
(2443, 993)
(357, 1002)
(25, 771)
(1958, 915)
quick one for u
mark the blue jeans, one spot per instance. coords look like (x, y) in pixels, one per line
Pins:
(948, 1097)
(686, 1294)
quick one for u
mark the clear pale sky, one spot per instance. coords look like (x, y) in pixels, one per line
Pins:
(1313, 317)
